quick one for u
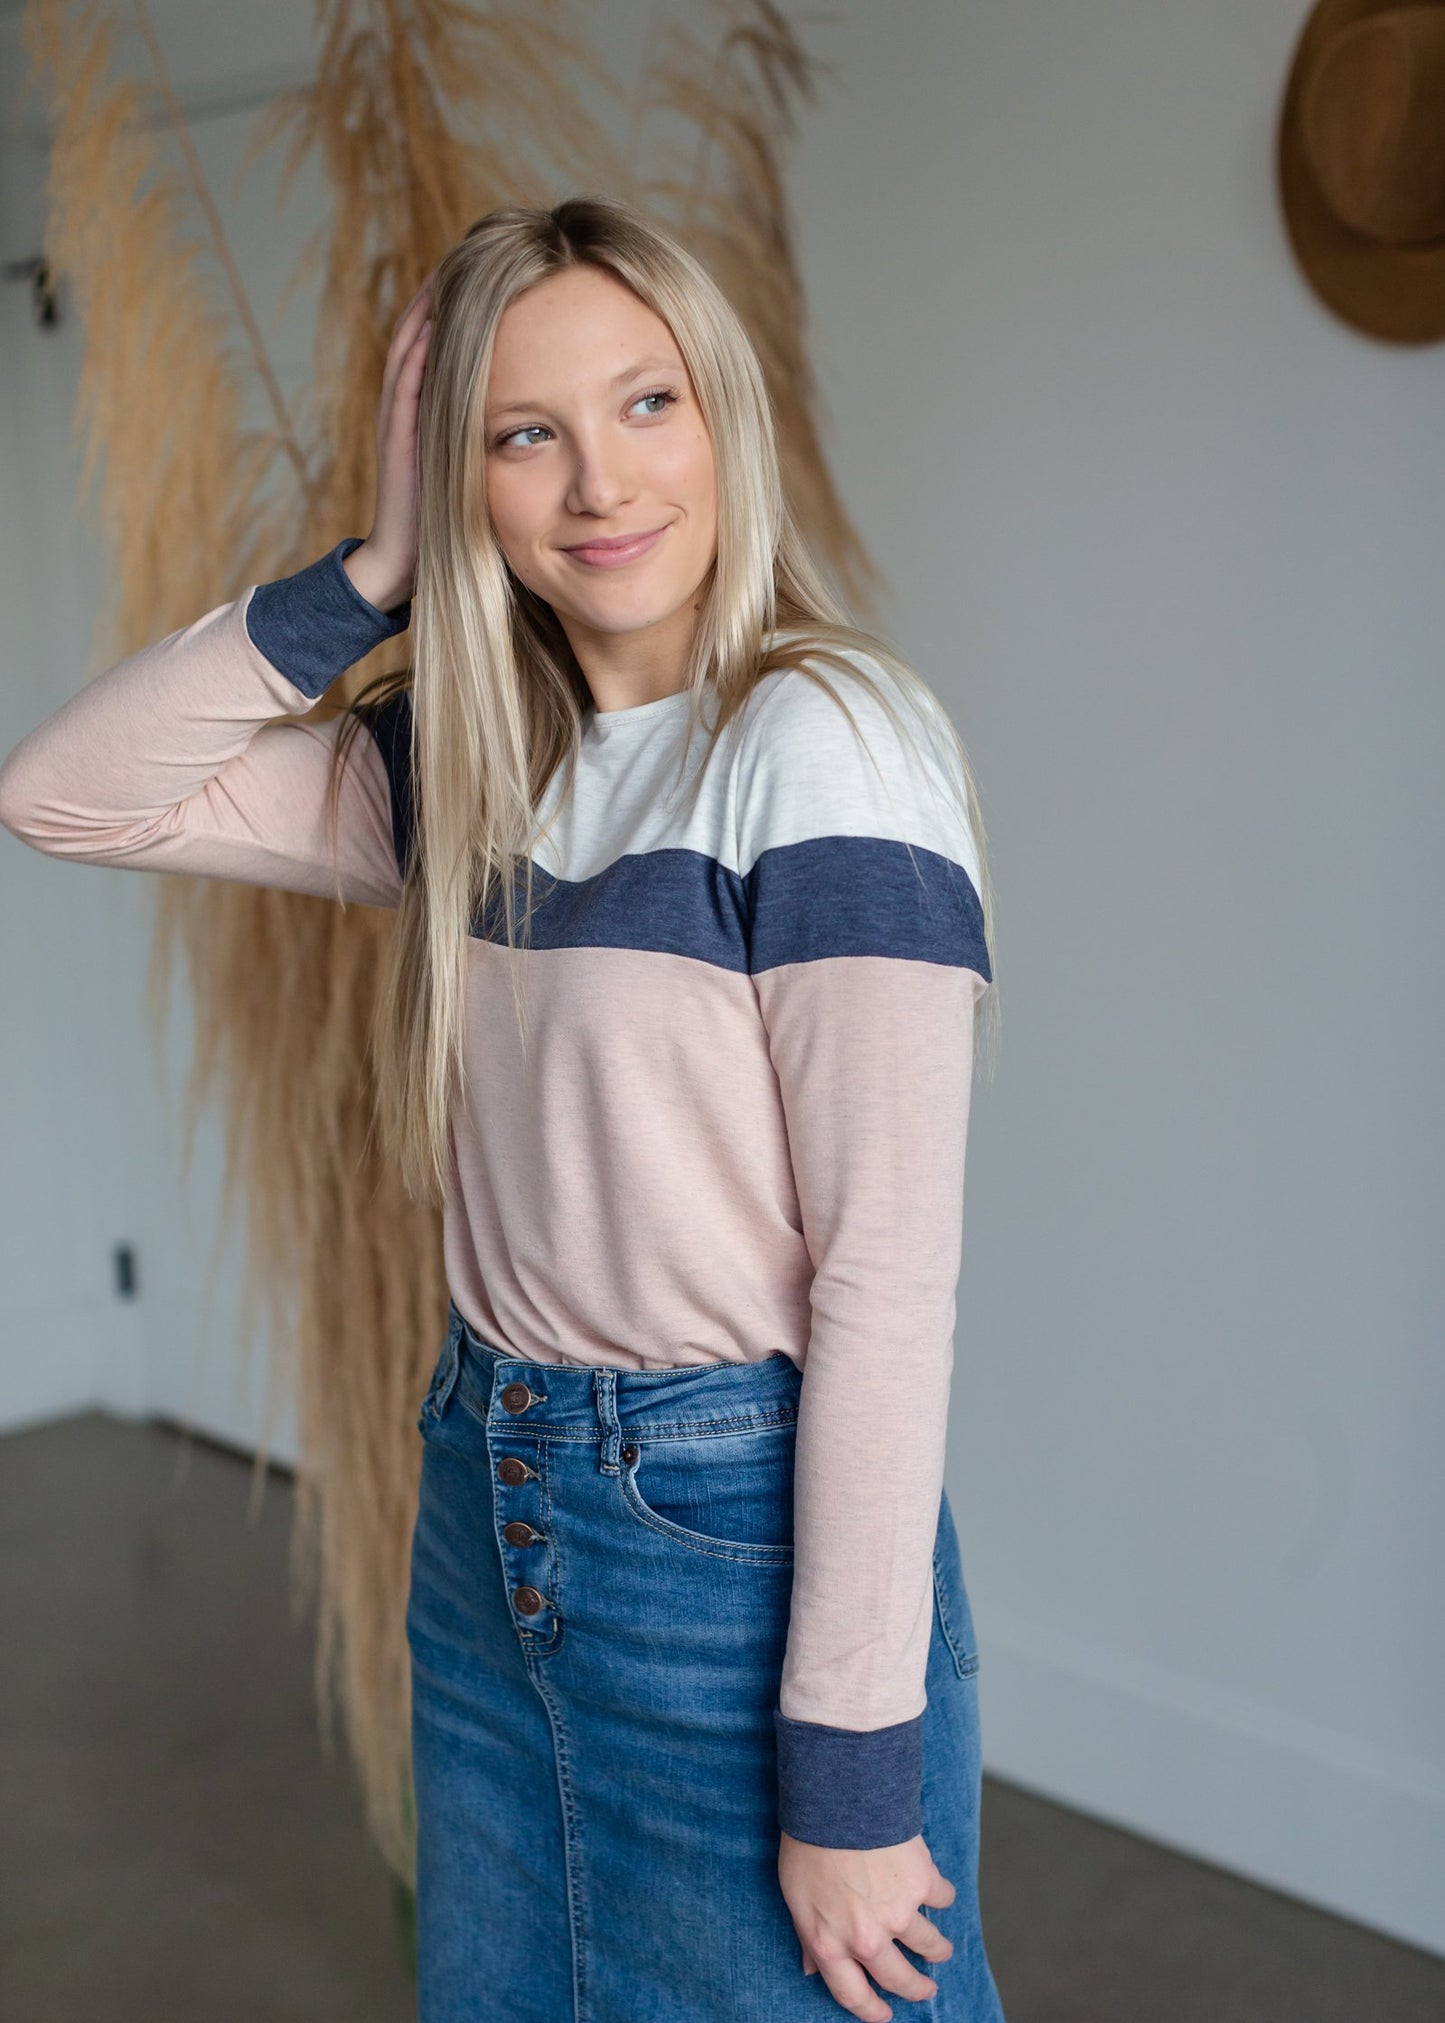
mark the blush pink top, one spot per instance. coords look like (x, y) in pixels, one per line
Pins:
(740, 1125)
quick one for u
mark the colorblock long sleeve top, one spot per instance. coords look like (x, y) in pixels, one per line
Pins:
(740, 1125)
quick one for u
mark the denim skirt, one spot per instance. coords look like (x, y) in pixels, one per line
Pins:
(599, 1591)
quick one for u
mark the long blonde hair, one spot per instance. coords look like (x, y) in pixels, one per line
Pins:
(497, 695)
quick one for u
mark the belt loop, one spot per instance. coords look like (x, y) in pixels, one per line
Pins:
(604, 1384)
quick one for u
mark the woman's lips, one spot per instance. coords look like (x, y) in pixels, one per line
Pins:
(599, 555)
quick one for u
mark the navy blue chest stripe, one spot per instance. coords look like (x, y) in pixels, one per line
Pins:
(863, 895)
(672, 902)
(800, 902)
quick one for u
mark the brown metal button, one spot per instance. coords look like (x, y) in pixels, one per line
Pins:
(519, 1532)
(510, 1469)
(629, 1455)
(528, 1600)
(517, 1397)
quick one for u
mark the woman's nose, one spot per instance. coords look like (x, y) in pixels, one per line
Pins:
(599, 482)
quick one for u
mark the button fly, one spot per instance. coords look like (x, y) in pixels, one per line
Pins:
(511, 1469)
(517, 1397)
(519, 1532)
(529, 1602)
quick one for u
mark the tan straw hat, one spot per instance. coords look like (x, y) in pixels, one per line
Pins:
(1361, 164)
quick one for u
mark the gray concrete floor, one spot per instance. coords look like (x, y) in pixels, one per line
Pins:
(174, 1843)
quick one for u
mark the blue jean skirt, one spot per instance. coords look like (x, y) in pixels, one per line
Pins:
(600, 1582)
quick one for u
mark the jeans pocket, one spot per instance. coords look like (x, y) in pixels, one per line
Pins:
(728, 1494)
(442, 1382)
(950, 1594)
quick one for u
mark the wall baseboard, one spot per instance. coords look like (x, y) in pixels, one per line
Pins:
(1332, 1820)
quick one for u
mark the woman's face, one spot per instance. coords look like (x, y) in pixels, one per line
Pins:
(593, 431)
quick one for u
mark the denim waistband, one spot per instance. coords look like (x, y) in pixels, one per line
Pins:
(579, 1400)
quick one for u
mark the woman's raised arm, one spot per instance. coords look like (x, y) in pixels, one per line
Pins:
(170, 760)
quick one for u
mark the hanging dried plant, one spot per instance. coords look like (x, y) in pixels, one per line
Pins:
(737, 93)
(423, 115)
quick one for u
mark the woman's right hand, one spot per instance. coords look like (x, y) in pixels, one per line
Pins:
(383, 568)
(853, 1907)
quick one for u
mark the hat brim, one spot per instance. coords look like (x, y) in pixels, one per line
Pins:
(1393, 292)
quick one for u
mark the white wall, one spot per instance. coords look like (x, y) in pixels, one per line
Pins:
(1166, 537)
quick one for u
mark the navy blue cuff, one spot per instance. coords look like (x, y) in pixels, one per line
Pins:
(849, 1787)
(312, 626)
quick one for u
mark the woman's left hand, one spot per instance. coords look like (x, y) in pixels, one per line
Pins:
(849, 1907)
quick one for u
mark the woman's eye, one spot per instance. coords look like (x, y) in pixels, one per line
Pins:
(663, 393)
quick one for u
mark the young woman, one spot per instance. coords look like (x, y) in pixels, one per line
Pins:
(678, 1027)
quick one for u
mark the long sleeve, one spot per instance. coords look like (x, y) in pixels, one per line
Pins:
(171, 759)
(868, 955)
